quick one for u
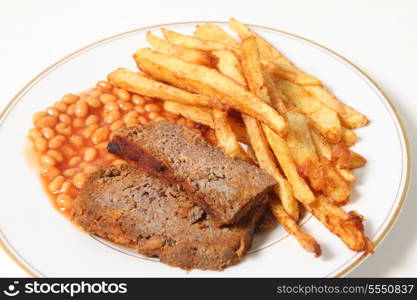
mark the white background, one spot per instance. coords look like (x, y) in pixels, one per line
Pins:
(378, 36)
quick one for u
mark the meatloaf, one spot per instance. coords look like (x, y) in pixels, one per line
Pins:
(227, 189)
(130, 207)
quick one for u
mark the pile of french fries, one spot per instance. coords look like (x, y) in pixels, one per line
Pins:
(250, 93)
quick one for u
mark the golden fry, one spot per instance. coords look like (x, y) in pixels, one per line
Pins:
(210, 82)
(228, 64)
(356, 160)
(292, 74)
(306, 241)
(348, 137)
(335, 186)
(214, 33)
(348, 226)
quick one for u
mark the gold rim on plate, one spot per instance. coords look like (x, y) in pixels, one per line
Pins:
(20, 261)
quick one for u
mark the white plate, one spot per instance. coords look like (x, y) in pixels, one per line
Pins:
(45, 243)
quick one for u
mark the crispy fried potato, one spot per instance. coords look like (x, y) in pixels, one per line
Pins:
(335, 186)
(189, 55)
(214, 33)
(266, 50)
(278, 100)
(210, 82)
(322, 145)
(195, 43)
(346, 174)
(350, 117)
(228, 64)
(292, 74)
(226, 137)
(253, 72)
(203, 116)
(305, 240)
(322, 117)
(303, 150)
(143, 85)
(348, 137)
(356, 160)
(348, 226)
(341, 156)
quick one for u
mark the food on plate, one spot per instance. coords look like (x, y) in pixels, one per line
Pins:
(178, 154)
(210, 140)
(200, 79)
(130, 207)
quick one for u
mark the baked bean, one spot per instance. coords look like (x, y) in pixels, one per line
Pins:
(94, 102)
(140, 109)
(139, 100)
(56, 155)
(123, 94)
(76, 140)
(126, 106)
(46, 160)
(93, 119)
(81, 109)
(71, 110)
(64, 129)
(111, 106)
(56, 184)
(63, 118)
(78, 123)
(132, 123)
(90, 154)
(37, 116)
(152, 115)
(47, 121)
(64, 201)
(49, 172)
(151, 107)
(41, 144)
(115, 90)
(70, 172)
(83, 165)
(68, 151)
(61, 106)
(112, 116)
(79, 180)
(89, 131)
(119, 162)
(100, 135)
(106, 98)
(56, 142)
(116, 125)
(142, 120)
(90, 169)
(95, 93)
(66, 187)
(132, 115)
(34, 133)
(52, 111)
(104, 86)
(70, 98)
(102, 146)
(74, 161)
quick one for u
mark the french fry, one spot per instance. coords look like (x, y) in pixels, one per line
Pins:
(350, 117)
(322, 117)
(305, 240)
(142, 85)
(253, 73)
(341, 156)
(195, 43)
(348, 137)
(322, 145)
(210, 82)
(346, 174)
(292, 74)
(335, 186)
(203, 116)
(278, 100)
(303, 150)
(348, 226)
(228, 64)
(214, 33)
(356, 160)
(187, 54)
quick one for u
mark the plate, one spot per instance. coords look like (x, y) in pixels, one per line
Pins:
(45, 243)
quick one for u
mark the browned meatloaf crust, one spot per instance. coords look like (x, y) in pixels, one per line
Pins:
(225, 188)
(127, 206)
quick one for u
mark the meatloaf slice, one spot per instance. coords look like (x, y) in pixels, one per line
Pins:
(225, 188)
(129, 207)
